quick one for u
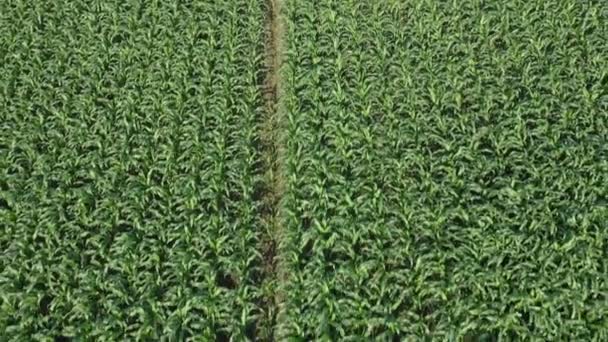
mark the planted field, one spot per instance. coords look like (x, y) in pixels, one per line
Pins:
(128, 169)
(448, 170)
(299, 170)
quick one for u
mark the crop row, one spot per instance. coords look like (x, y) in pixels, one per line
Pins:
(447, 168)
(128, 169)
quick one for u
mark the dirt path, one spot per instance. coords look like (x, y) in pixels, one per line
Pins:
(271, 139)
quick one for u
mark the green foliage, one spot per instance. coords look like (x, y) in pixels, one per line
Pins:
(445, 168)
(127, 169)
(448, 170)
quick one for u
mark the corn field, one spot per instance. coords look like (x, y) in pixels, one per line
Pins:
(449, 170)
(282, 170)
(129, 169)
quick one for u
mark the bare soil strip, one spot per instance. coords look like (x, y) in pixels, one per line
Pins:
(271, 139)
